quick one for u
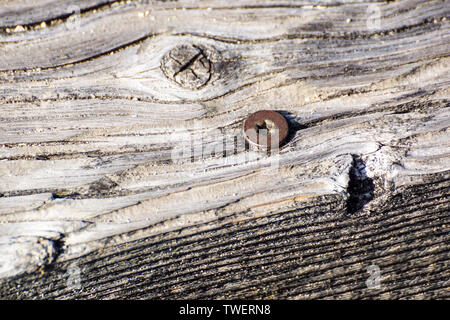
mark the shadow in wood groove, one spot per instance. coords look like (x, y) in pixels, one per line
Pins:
(360, 186)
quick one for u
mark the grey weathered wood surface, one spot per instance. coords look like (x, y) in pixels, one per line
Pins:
(88, 123)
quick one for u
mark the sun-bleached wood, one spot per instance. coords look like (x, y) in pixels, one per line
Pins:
(89, 123)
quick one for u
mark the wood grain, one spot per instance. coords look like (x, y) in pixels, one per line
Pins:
(93, 138)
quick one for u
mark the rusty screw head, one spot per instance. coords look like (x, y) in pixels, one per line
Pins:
(265, 129)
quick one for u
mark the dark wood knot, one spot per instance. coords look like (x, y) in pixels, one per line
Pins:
(187, 65)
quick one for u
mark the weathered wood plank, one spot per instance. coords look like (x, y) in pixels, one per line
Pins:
(92, 129)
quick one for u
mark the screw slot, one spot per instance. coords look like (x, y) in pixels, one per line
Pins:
(265, 127)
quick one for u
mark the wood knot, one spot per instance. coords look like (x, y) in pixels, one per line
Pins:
(188, 66)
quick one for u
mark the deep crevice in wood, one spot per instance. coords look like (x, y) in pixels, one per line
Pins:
(360, 187)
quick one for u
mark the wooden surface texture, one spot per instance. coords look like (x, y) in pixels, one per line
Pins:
(122, 156)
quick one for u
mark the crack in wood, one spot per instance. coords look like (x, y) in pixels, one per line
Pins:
(360, 186)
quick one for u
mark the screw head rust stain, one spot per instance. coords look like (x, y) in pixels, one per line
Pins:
(265, 129)
(187, 65)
